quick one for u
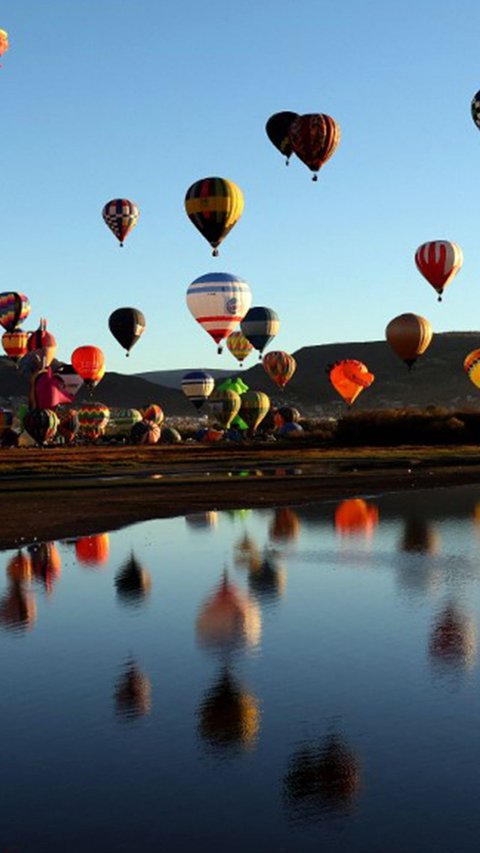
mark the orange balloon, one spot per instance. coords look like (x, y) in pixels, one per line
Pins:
(355, 516)
(93, 550)
(409, 335)
(349, 377)
(89, 363)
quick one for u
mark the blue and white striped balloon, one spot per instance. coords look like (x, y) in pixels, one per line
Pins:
(197, 386)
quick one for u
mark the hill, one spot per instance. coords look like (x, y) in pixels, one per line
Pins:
(437, 379)
(173, 378)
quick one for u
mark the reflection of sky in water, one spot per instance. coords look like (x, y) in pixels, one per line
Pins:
(338, 678)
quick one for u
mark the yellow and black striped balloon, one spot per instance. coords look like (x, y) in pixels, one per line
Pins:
(214, 205)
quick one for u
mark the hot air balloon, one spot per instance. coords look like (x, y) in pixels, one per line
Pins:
(269, 580)
(280, 367)
(224, 405)
(121, 216)
(69, 425)
(170, 435)
(214, 205)
(42, 339)
(41, 425)
(254, 407)
(14, 309)
(355, 517)
(409, 335)
(229, 716)
(89, 363)
(285, 526)
(93, 550)
(475, 108)
(145, 432)
(46, 391)
(322, 777)
(349, 377)
(4, 43)
(238, 345)
(122, 421)
(31, 363)
(15, 343)
(154, 413)
(472, 367)
(453, 643)
(197, 387)
(126, 326)
(277, 129)
(260, 325)
(439, 261)
(314, 138)
(218, 301)
(46, 563)
(93, 419)
(286, 415)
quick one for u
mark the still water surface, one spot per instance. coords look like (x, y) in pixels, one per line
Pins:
(277, 679)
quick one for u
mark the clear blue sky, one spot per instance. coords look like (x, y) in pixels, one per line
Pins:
(108, 98)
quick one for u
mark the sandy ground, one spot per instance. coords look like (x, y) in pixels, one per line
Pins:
(59, 493)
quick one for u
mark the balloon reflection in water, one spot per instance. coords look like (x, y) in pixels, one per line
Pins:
(46, 564)
(229, 619)
(202, 520)
(133, 582)
(93, 550)
(18, 610)
(19, 568)
(285, 525)
(247, 554)
(322, 778)
(453, 643)
(356, 517)
(133, 693)
(269, 580)
(229, 716)
(419, 537)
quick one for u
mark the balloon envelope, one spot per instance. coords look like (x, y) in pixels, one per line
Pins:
(409, 335)
(238, 345)
(126, 326)
(314, 139)
(214, 205)
(218, 301)
(280, 366)
(224, 405)
(14, 309)
(260, 325)
(349, 377)
(121, 216)
(89, 363)
(197, 385)
(277, 129)
(255, 405)
(439, 261)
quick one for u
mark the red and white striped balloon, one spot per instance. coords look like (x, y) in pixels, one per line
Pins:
(439, 261)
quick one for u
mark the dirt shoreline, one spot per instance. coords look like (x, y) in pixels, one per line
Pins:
(63, 493)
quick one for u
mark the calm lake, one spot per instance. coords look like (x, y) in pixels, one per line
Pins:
(294, 679)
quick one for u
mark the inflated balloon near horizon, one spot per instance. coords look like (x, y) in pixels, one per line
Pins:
(409, 336)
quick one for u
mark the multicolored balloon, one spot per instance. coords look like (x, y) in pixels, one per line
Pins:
(238, 345)
(15, 343)
(475, 109)
(41, 425)
(154, 413)
(93, 419)
(122, 421)
(89, 362)
(254, 407)
(218, 301)
(145, 432)
(439, 261)
(260, 325)
(14, 309)
(409, 336)
(4, 43)
(471, 366)
(121, 216)
(314, 139)
(349, 377)
(197, 387)
(214, 205)
(127, 325)
(280, 367)
(277, 129)
(69, 425)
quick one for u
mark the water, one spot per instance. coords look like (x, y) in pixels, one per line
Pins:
(275, 679)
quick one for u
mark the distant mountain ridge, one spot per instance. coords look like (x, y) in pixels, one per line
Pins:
(437, 379)
(173, 378)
